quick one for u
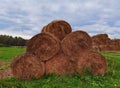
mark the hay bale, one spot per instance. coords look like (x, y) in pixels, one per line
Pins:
(6, 73)
(82, 62)
(92, 61)
(100, 39)
(58, 28)
(103, 36)
(105, 47)
(96, 48)
(75, 43)
(60, 65)
(115, 44)
(44, 46)
(44, 29)
(98, 63)
(27, 66)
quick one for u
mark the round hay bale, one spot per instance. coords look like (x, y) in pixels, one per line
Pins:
(6, 73)
(58, 28)
(100, 39)
(101, 36)
(75, 43)
(96, 48)
(27, 66)
(115, 44)
(93, 62)
(60, 65)
(44, 46)
(98, 63)
(105, 47)
(44, 29)
(82, 62)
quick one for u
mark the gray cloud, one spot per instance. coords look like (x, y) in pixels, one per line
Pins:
(27, 17)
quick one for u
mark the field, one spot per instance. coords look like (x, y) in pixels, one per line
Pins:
(110, 80)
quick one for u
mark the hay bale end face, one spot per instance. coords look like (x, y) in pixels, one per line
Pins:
(58, 28)
(44, 46)
(27, 66)
(94, 61)
(98, 63)
(6, 73)
(60, 65)
(75, 43)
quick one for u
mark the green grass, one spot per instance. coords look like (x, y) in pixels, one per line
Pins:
(113, 56)
(9, 53)
(110, 80)
(52, 81)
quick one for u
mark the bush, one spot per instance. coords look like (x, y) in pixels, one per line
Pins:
(4, 45)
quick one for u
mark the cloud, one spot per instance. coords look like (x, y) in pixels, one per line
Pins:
(26, 18)
(101, 28)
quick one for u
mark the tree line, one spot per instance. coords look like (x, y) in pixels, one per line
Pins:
(6, 40)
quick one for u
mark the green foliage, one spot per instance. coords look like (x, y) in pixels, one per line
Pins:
(110, 80)
(4, 45)
(10, 41)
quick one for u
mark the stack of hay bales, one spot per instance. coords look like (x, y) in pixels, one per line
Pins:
(115, 44)
(100, 39)
(58, 50)
(77, 46)
(104, 43)
(101, 42)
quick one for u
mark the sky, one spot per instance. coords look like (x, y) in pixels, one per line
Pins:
(26, 18)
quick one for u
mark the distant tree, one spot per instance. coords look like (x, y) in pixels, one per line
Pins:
(12, 41)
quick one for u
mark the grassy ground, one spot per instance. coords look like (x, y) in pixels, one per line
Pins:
(8, 53)
(110, 80)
